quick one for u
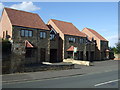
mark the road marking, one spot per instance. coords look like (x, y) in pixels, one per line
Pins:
(106, 82)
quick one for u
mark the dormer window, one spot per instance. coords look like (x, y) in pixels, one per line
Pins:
(52, 36)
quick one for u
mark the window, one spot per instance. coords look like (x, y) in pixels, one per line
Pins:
(26, 33)
(30, 33)
(7, 36)
(22, 33)
(71, 39)
(6, 33)
(84, 40)
(104, 44)
(42, 35)
(52, 36)
(81, 40)
(3, 34)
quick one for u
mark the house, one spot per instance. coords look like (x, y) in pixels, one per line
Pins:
(28, 35)
(56, 45)
(69, 37)
(102, 51)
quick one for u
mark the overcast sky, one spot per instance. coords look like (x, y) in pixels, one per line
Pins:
(100, 16)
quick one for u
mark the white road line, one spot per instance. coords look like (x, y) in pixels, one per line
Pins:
(106, 82)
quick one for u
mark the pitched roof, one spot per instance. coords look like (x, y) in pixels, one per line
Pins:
(90, 38)
(25, 19)
(28, 44)
(96, 34)
(68, 28)
(71, 48)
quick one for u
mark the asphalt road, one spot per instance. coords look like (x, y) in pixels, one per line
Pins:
(96, 80)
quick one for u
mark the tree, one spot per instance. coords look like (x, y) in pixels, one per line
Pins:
(6, 46)
(116, 49)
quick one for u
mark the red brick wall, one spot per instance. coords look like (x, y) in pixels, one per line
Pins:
(5, 25)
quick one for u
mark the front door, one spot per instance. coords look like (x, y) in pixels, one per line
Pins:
(81, 55)
(92, 56)
(42, 54)
(53, 55)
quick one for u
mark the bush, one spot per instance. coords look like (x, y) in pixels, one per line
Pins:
(116, 49)
(6, 46)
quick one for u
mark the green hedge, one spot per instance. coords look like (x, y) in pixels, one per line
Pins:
(6, 46)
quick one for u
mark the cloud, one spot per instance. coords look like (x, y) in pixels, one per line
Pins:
(111, 36)
(112, 40)
(1, 6)
(26, 6)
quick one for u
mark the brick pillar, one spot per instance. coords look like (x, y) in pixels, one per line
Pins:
(17, 57)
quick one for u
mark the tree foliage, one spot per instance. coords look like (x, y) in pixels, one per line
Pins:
(6, 46)
(116, 49)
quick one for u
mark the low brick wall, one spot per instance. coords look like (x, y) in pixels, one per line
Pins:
(35, 68)
(48, 67)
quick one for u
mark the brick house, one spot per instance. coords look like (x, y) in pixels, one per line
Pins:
(28, 34)
(70, 37)
(102, 49)
(56, 45)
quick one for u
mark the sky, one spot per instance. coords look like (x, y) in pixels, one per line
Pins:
(99, 16)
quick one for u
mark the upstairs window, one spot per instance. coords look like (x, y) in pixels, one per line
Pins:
(52, 36)
(71, 39)
(22, 32)
(6, 33)
(26, 33)
(104, 44)
(30, 33)
(82, 40)
(42, 35)
(3, 34)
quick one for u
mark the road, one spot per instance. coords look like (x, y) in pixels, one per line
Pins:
(107, 79)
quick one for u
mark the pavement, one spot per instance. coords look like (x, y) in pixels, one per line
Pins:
(98, 66)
